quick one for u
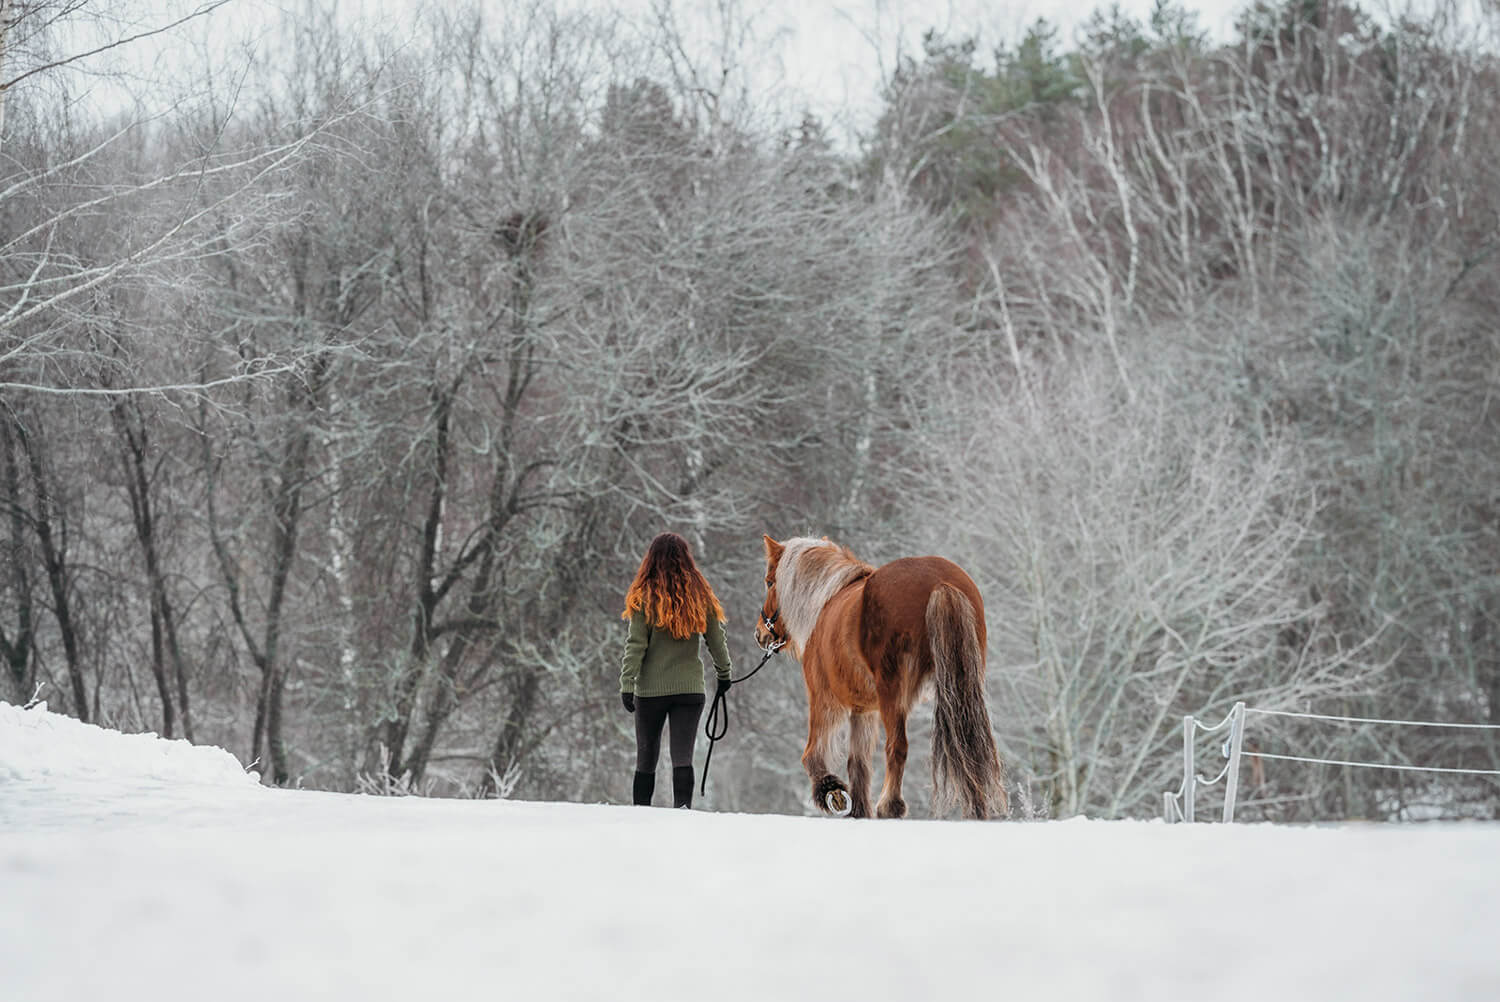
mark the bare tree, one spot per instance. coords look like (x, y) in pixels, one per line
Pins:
(1137, 565)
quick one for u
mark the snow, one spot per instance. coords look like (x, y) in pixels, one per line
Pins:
(37, 745)
(137, 868)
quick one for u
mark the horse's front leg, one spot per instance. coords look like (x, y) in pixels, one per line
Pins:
(891, 805)
(830, 794)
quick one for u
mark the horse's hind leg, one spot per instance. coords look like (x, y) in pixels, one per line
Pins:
(862, 738)
(891, 805)
(830, 794)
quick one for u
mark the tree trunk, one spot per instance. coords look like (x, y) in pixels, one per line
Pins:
(167, 663)
(51, 533)
(17, 647)
(510, 745)
(287, 509)
(5, 9)
(341, 558)
(428, 593)
(447, 694)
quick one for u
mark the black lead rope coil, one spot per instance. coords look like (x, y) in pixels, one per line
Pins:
(717, 724)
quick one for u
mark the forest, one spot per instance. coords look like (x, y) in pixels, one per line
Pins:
(344, 381)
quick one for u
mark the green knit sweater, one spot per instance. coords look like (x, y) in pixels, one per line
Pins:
(658, 664)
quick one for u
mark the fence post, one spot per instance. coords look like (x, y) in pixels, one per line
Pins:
(1189, 777)
(1232, 781)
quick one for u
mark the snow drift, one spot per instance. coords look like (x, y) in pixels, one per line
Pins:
(37, 746)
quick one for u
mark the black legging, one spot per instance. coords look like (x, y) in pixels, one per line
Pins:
(683, 710)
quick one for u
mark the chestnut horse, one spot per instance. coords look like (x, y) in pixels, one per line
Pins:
(875, 641)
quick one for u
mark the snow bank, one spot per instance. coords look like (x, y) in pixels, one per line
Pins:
(133, 868)
(38, 745)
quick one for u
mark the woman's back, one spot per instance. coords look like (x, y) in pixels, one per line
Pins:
(658, 664)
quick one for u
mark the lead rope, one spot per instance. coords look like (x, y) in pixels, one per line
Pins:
(718, 714)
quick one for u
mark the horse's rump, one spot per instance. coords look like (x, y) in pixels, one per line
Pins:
(895, 604)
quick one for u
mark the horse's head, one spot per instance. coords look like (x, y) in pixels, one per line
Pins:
(770, 631)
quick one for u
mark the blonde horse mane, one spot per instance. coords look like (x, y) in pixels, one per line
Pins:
(808, 574)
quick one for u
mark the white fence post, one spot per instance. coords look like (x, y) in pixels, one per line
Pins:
(1189, 778)
(1232, 781)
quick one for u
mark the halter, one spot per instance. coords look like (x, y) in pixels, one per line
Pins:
(778, 640)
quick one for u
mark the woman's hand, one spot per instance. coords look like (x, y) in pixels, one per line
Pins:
(628, 698)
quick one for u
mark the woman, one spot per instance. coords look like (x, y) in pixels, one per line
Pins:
(671, 609)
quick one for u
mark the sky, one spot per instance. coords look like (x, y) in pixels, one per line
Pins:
(841, 50)
(133, 868)
(828, 56)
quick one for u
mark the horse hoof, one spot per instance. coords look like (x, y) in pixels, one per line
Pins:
(830, 794)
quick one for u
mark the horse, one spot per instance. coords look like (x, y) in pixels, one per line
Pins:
(876, 640)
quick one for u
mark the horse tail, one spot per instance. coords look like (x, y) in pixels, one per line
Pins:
(965, 763)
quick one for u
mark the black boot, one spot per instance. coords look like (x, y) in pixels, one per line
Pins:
(645, 785)
(682, 786)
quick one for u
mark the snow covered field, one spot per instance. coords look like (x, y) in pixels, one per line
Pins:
(136, 868)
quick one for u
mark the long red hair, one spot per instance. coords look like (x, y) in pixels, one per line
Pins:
(670, 590)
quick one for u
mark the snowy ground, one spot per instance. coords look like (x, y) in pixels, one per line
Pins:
(136, 868)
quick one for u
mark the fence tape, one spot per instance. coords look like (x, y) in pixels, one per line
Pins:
(1368, 720)
(1376, 765)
